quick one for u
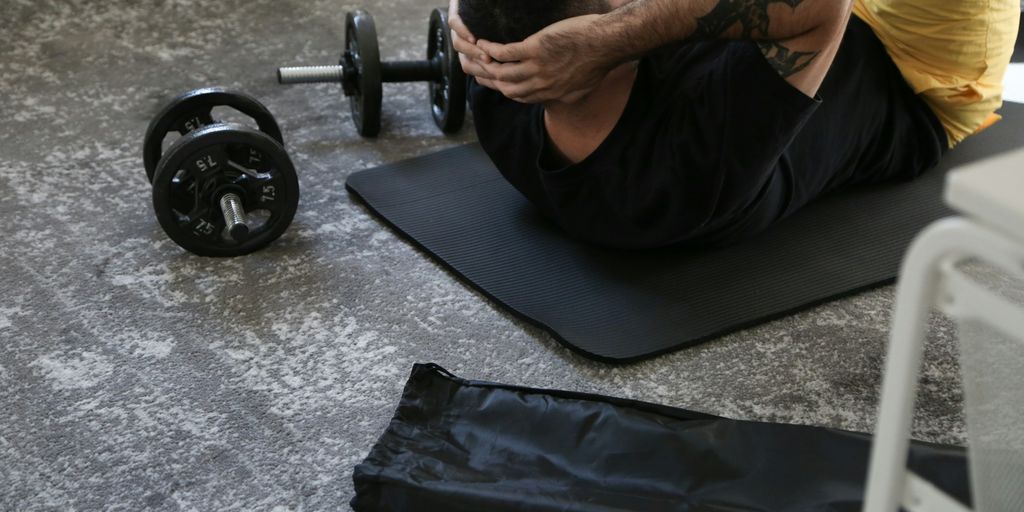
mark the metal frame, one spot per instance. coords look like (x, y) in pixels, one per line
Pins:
(929, 278)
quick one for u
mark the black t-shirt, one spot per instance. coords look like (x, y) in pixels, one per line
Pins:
(714, 145)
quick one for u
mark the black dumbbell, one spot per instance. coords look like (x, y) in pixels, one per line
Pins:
(361, 74)
(194, 110)
(221, 189)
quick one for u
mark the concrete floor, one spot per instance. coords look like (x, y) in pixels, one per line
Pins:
(134, 375)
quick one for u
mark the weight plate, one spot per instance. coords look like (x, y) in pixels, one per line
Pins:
(362, 52)
(204, 165)
(447, 96)
(192, 111)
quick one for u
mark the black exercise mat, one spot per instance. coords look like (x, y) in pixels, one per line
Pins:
(621, 306)
(458, 445)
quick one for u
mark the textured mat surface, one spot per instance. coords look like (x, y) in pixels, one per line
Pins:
(622, 306)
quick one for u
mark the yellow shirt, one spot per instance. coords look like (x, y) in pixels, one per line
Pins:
(954, 53)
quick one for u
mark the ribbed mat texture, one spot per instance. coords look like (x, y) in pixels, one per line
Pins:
(620, 306)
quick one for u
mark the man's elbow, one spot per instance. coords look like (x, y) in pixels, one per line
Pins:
(828, 22)
(834, 14)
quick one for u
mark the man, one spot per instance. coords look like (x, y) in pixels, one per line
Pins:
(664, 122)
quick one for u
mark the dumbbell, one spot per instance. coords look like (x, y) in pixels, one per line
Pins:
(221, 189)
(361, 74)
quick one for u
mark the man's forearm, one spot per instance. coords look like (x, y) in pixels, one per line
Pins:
(643, 25)
(565, 61)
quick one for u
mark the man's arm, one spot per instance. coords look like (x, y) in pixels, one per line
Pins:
(798, 37)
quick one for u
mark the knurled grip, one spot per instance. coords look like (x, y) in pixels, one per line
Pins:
(311, 75)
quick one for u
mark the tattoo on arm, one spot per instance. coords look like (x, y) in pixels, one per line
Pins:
(752, 15)
(785, 61)
(636, 28)
(753, 19)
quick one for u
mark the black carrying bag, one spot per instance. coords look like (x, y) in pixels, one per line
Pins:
(456, 444)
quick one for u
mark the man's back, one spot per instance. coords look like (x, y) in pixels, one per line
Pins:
(714, 145)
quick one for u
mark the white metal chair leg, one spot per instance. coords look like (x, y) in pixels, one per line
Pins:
(916, 294)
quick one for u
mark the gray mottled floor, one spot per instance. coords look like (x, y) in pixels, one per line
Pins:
(133, 375)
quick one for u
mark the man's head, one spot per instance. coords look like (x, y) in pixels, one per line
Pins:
(511, 21)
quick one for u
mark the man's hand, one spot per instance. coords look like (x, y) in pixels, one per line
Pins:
(563, 62)
(559, 63)
(471, 56)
